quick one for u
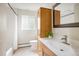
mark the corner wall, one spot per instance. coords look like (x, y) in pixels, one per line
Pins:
(7, 28)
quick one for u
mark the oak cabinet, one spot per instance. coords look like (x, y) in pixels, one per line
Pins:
(45, 20)
(39, 48)
(44, 25)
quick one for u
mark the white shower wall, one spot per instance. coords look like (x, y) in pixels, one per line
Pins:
(24, 36)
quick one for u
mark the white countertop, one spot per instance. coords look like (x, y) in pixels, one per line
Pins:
(56, 46)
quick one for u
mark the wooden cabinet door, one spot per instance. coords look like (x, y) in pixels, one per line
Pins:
(56, 17)
(39, 48)
(46, 51)
(45, 21)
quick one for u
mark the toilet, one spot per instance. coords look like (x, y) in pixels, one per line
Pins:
(33, 44)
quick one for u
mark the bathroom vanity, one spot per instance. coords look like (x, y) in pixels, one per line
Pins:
(46, 51)
(50, 47)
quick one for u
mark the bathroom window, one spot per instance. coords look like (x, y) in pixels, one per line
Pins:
(28, 22)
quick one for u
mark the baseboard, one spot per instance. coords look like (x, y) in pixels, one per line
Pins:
(23, 43)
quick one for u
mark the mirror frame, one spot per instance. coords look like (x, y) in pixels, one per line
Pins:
(63, 25)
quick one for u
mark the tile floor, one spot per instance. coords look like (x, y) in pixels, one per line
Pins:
(25, 51)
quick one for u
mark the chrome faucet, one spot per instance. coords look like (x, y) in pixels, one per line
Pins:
(65, 38)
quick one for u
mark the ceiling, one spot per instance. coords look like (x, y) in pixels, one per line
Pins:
(31, 6)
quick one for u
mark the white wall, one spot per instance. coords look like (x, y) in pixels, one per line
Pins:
(24, 36)
(72, 32)
(7, 28)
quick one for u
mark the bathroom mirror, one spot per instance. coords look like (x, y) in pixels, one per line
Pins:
(66, 15)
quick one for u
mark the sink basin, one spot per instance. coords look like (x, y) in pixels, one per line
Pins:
(61, 48)
(58, 47)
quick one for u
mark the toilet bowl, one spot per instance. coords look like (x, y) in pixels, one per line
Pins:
(33, 44)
